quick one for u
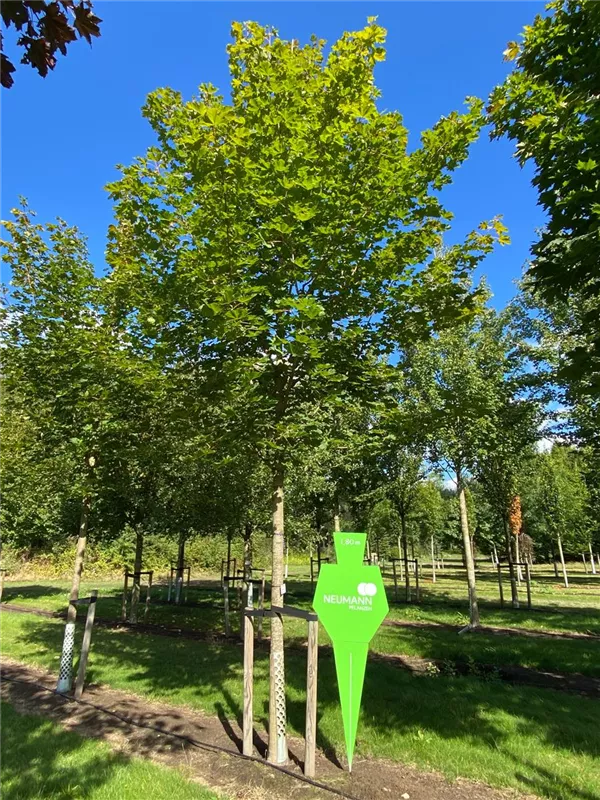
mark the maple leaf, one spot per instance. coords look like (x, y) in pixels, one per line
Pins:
(86, 23)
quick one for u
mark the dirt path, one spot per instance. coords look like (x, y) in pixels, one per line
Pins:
(218, 763)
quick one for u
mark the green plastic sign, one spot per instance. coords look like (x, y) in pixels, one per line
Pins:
(351, 603)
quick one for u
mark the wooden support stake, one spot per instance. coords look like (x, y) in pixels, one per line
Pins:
(148, 590)
(261, 605)
(432, 560)
(310, 734)
(124, 604)
(2, 571)
(584, 563)
(170, 582)
(187, 586)
(417, 591)
(312, 576)
(528, 579)
(85, 647)
(500, 585)
(226, 606)
(395, 580)
(248, 729)
(241, 603)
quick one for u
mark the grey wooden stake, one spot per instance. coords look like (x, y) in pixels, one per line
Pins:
(226, 606)
(562, 561)
(248, 685)
(169, 589)
(395, 580)
(310, 734)
(432, 561)
(261, 605)
(241, 602)
(148, 590)
(528, 579)
(124, 604)
(187, 586)
(584, 563)
(85, 647)
(417, 591)
(2, 571)
(500, 584)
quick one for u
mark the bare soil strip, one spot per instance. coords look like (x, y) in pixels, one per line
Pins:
(223, 770)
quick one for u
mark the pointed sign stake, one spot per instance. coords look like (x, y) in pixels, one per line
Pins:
(351, 603)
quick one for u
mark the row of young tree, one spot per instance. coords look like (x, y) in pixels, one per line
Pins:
(283, 322)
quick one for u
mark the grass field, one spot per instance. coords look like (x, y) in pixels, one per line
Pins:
(443, 604)
(42, 761)
(535, 740)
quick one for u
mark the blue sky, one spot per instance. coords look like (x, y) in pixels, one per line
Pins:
(63, 136)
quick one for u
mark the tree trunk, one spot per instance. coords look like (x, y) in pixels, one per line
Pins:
(79, 558)
(518, 559)
(248, 564)
(511, 565)
(278, 753)
(592, 562)
(562, 561)
(336, 518)
(229, 535)
(464, 524)
(137, 566)
(179, 571)
(432, 560)
(405, 556)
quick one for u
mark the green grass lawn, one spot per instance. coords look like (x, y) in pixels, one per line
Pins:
(534, 740)
(206, 614)
(42, 761)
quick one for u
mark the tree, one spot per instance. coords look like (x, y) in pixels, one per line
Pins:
(271, 238)
(44, 28)
(428, 516)
(467, 385)
(549, 106)
(556, 503)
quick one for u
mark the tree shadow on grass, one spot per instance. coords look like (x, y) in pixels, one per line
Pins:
(41, 760)
(13, 593)
(397, 709)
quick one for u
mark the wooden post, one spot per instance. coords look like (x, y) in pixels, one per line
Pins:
(417, 592)
(222, 571)
(85, 647)
(592, 560)
(395, 580)
(310, 734)
(562, 561)
(248, 729)
(170, 581)
(226, 606)
(148, 590)
(261, 605)
(432, 561)
(584, 563)
(499, 567)
(312, 575)
(242, 606)
(187, 586)
(2, 571)
(528, 579)
(124, 604)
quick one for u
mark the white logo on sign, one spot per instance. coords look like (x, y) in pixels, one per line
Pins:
(367, 589)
